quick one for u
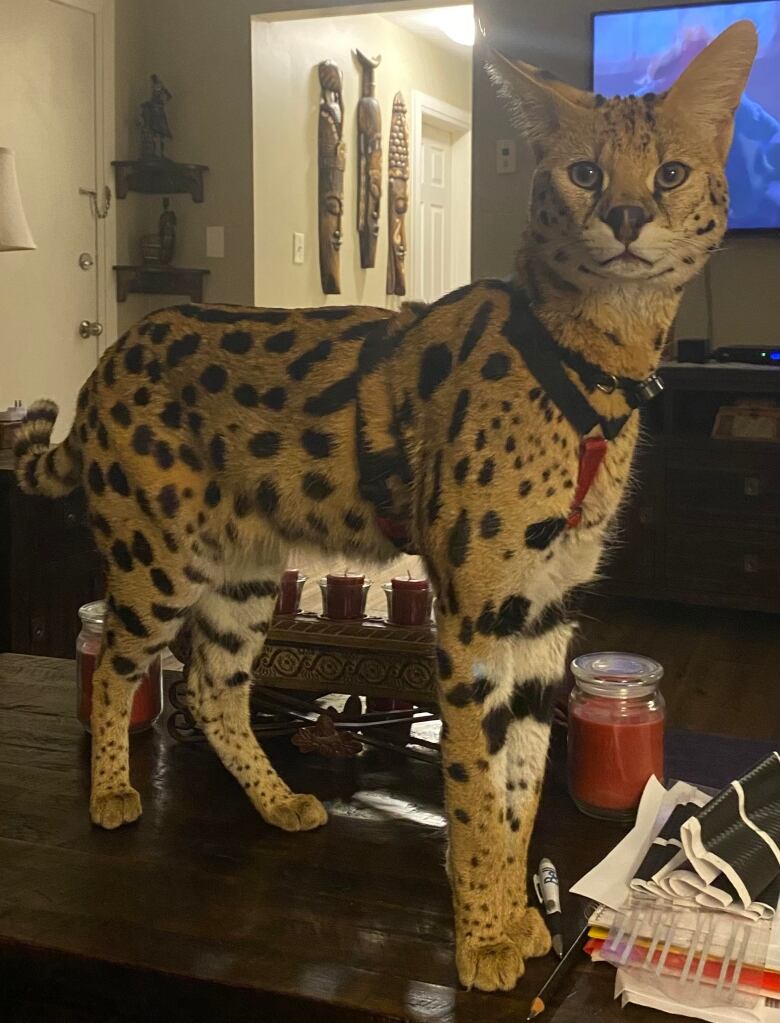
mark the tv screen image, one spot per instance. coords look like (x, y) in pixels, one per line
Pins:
(641, 51)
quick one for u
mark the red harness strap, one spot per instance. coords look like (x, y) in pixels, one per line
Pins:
(592, 452)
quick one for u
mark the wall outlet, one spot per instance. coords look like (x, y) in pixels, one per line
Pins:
(298, 247)
(215, 242)
(506, 156)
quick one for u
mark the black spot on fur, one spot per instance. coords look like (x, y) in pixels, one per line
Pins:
(490, 526)
(217, 451)
(238, 342)
(480, 441)
(142, 396)
(274, 398)
(227, 640)
(495, 725)
(143, 503)
(333, 398)
(444, 662)
(526, 486)
(434, 501)
(212, 495)
(120, 552)
(485, 475)
(354, 521)
(242, 592)
(458, 415)
(154, 371)
(466, 633)
(533, 698)
(475, 331)
(163, 454)
(265, 444)
(162, 581)
(129, 618)
(120, 413)
(242, 505)
(101, 524)
(539, 535)
(142, 439)
(123, 665)
(213, 378)
(117, 480)
(329, 314)
(511, 616)
(182, 348)
(462, 816)
(317, 486)
(280, 343)
(300, 368)
(461, 470)
(95, 479)
(267, 496)
(458, 772)
(316, 444)
(238, 678)
(171, 415)
(142, 549)
(190, 457)
(246, 395)
(435, 367)
(168, 500)
(459, 539)
(496, 366)
(134, 359)
(709, 226)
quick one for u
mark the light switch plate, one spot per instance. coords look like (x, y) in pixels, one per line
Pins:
(298, 247)
(506, 156)
(215, 242)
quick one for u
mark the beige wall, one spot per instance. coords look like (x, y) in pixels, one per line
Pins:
(746, 296)
(202, 50)
(285, 55)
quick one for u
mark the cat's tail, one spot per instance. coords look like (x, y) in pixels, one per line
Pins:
(40, 469)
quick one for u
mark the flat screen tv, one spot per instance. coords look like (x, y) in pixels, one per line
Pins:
(642, 51)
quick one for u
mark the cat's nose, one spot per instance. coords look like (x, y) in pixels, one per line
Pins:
(626, 222)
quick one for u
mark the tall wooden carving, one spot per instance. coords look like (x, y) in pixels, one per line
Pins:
(331, 161)
(369, 162)
(398, 198)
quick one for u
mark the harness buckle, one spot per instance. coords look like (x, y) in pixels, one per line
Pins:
(609, 385)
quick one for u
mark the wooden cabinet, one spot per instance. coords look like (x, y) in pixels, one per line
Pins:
(702, 524)
(49, 567)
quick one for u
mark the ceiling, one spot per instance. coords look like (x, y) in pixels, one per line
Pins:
(434, 23)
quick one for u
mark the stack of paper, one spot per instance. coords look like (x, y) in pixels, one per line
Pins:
(689, 898)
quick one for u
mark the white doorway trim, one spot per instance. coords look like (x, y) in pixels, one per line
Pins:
(102, 12)
(457, 122)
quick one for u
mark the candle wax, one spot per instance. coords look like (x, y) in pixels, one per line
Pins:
(287, 602)
(611, 758)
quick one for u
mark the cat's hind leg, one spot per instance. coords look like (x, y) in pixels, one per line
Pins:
(229, 625)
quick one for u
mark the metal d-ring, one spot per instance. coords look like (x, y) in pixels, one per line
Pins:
(609, 385)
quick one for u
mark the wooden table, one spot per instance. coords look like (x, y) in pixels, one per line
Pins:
(202, 912)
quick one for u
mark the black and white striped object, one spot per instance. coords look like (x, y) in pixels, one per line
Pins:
(665, 852)
(737, 834)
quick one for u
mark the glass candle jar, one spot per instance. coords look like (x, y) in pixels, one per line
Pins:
(616, 732)
(344, 596)
(408, 601)
(290, 589)
(148, 699)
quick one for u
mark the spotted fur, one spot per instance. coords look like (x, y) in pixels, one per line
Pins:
(212, 438)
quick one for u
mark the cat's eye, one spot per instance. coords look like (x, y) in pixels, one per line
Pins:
(586, 174)
(671, 174)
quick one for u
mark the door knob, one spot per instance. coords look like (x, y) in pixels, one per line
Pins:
(90, 328)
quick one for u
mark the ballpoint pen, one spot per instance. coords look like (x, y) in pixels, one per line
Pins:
(548, 893)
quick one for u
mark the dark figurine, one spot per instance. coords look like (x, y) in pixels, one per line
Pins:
(167, 232)
(154, 121)
(331, 162)
(397, 198)
(369, 118)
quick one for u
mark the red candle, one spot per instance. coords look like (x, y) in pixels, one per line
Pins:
(410, 602)
(610, 762)
(290, 587)
(344, 596)
(147, 702)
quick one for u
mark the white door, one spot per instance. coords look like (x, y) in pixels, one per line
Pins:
(434, 212)
(50, 115)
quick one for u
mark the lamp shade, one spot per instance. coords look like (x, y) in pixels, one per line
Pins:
(14, 232)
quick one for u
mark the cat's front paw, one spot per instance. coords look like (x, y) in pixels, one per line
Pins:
(494, 967)
(529, 933)
(296, 813)
(112, 809)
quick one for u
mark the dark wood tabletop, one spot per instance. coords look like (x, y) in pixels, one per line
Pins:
(202, 912)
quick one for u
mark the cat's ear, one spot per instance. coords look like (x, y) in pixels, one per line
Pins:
(709, 90)
(540, 104)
